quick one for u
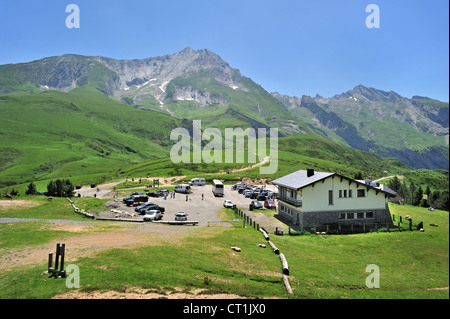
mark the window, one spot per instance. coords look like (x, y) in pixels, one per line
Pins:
(342, 216)
(361, 193)
(369, 215)
(360, 215)
(330, 197)
(350, 193)
(345, 193)
(340, 194)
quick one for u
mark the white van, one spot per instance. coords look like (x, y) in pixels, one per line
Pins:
(183, 188)
(197, 182)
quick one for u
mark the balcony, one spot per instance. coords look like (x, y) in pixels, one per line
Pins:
(291, 201)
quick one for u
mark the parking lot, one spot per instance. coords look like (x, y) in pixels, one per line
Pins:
(199, 208)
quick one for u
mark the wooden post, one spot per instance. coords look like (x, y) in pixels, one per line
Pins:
(287, 285)
(393, 217)
(62, 251)
(399, 227)
(410, 224)
(57, 256)
(50, 262)
(284, 265)
(275, 249)
(401, 219)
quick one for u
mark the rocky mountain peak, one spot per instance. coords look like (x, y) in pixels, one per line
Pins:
(371, 94)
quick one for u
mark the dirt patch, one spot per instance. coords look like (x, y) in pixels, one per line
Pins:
(6, 205)
(90, 244)
(155, 293)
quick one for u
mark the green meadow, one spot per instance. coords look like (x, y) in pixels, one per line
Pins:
(412, 264)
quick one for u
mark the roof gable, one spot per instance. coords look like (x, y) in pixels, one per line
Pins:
(300, 179)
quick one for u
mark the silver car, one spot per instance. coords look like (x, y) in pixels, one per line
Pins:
(152, 215)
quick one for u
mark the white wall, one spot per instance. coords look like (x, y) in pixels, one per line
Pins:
(316, 198)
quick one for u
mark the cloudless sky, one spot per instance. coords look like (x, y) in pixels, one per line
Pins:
(294, 47)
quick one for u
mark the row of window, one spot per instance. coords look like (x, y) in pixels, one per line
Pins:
(287, 210)
(356, 215)
(345, 194)
(342, 216)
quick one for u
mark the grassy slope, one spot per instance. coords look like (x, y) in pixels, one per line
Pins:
(411, 264)
(83, 132)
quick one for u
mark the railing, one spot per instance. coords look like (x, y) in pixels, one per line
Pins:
(292, 201)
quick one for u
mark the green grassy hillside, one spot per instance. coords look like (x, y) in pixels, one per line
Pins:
(78, 133)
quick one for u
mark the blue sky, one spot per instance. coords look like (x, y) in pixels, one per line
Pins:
(293, 47)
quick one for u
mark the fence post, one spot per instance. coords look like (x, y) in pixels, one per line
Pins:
(50, 262)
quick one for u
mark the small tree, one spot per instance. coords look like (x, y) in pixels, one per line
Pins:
(60, 188)
(31, 189)
(418, 196)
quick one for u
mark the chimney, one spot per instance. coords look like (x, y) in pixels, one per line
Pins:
(309, 172)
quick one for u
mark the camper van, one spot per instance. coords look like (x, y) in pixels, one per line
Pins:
(183, 188)
(197, 182)
(217, 188)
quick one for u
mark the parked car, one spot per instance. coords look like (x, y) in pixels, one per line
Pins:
(152, 215)
(142, 207)
(156, 194)
(183, 188)
(261, 197)
(238, 185)
(254, 195)
(78, 186)
(197, 182)
(154, 207)
(270, 204)
(247, 193)
(133, 199)
(227, 204)
(241, 190)
(180, 216)
(256, 204)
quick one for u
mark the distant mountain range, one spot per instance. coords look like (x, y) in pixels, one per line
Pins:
(198, 84)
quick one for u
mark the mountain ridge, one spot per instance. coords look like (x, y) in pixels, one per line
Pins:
(192, 84)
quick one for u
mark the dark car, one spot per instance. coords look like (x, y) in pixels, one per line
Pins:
(261, 197)
(256, 204)
(254, 195)
(152, 207)
(143, 207)
(130, 200)
(156, 194)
